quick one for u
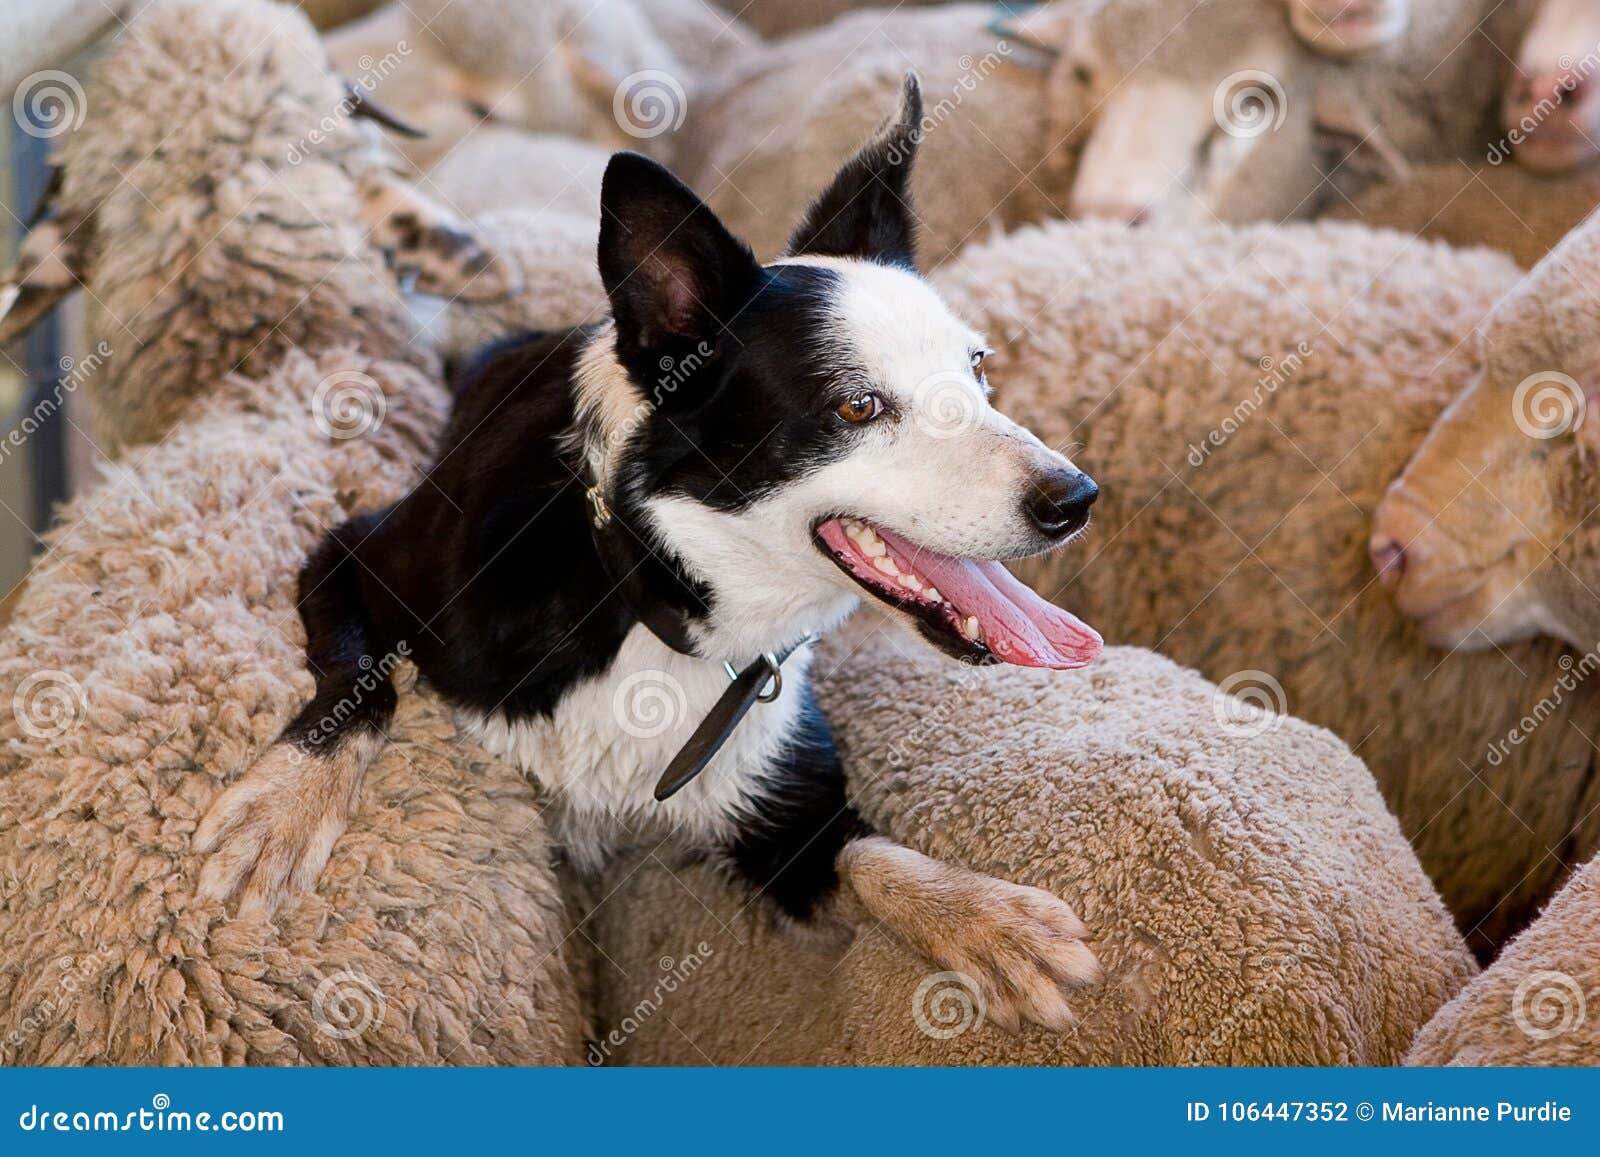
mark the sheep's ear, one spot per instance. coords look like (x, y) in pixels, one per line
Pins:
(54, 260)
(362, 105)
(429, 248)
(866, 212)
(673, 272)
(1355, 142)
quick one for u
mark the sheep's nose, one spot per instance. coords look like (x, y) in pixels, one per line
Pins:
(1059, 503)
(1563, 90)
(1388, 558)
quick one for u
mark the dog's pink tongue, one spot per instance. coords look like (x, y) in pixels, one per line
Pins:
(1018, 625)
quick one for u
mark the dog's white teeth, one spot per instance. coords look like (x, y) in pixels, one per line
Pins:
(911, 582)
(970, 628)
(873, 547)
(933, 593)
(853, 529)
(886, 564)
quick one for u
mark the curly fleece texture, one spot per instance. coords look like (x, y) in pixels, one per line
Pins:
(162, 623)
(1237, 922)
(1243, 398)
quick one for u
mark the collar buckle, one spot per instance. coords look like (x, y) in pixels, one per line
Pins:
(599, 512)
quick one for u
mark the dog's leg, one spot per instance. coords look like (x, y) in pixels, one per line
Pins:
(1022, 947)
(271, 833)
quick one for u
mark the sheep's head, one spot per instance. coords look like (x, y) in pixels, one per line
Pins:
(1551, 110)
(212, 129)
(1345, 29)
(1491, 533)
(1181, 125)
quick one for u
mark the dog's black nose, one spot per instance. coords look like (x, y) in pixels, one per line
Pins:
(1059, 503)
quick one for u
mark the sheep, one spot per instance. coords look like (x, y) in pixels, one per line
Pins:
(1551, 110)
(214, 244)
(1252, 898)
(618, 72)
(1243, 395)
(1503, 206)
(155, 648)
(1144, 82)
(1544, 980)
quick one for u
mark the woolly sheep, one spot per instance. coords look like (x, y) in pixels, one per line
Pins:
(1012, 99)
(617, 72)
(1252, 898)
(261, 224)
(1503, 206)
(1243, 396)
(154, 651)
(1531, 1006)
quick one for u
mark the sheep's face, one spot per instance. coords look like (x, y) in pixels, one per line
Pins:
(1551, 110)
(1492, 531)
(1344, 29)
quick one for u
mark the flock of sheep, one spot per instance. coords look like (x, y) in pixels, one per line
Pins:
(1108, 188)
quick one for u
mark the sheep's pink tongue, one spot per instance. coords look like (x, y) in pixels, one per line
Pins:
(1018, 625)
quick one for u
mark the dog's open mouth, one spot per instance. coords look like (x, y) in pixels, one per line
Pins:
(968, 607)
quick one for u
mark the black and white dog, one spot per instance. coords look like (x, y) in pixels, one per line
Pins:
(704, 483)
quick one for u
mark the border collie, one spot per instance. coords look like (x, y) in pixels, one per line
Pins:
(703, 483)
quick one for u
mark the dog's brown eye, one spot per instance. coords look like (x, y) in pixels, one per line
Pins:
(860, 408)
(978, 357)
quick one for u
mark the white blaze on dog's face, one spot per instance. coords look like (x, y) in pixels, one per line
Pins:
(801, 433)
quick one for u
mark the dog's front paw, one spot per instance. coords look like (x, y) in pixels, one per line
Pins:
(270, 834)
(1022, 947)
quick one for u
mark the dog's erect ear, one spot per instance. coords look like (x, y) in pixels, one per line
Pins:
(672, 270)
(866, 212)
(54, 260)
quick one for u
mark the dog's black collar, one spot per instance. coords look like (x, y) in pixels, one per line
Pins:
(619, 548)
